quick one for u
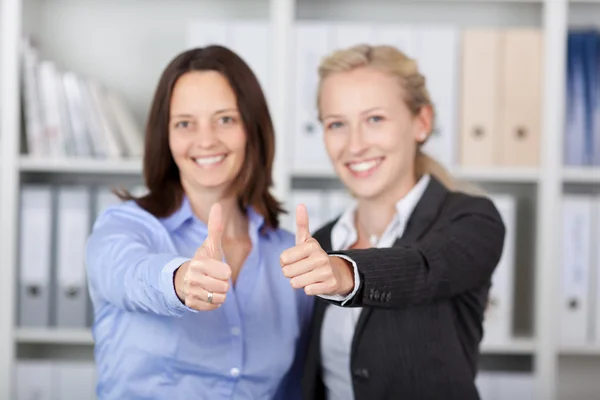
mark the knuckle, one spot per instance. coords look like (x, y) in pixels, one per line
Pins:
(332, 283)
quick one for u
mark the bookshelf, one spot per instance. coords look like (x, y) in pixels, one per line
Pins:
(139, 38)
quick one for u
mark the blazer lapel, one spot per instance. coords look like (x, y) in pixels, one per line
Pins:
(419, 222)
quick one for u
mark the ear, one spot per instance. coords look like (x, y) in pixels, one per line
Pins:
(423, 124)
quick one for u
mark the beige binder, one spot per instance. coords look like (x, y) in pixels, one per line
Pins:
(521, 97)
(479, 136)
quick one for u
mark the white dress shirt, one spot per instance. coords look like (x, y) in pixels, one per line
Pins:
(339, 322)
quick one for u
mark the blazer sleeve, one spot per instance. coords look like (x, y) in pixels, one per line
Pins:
(457, 256)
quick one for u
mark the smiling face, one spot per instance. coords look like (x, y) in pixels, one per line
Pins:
(370, 134)
(206, 132)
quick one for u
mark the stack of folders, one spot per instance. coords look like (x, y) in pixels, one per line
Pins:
(55, 222)
(44, 379)
(580, 277)
(582, 130)
(66, 115)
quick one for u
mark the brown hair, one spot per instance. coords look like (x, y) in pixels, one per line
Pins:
(390, 60)
(161, 174)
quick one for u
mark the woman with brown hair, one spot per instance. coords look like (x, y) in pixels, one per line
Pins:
(189, 299)
(402, 275)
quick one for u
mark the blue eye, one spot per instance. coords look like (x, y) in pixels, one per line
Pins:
(335, 125)
(182, 124)
(375, 118)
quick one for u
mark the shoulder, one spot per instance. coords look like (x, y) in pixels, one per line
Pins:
(459, 204)
(128, 217)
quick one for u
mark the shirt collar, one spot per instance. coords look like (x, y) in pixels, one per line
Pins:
(185, 214)
(344, 232)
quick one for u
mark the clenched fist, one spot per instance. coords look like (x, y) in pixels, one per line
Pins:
(308, 266)
(203, 282)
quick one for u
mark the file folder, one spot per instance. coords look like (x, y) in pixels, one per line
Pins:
(480, 102)
(575, 327)
(35, 255)
(73, 227)
(521, 97)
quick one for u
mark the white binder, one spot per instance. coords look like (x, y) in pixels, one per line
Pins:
(311, 44)
(401, 37)
(248, 39)
(73, 227)
(75, 380)
(34, 380)
(576, 260)
(314, 200)
(338, 202)
(35, 255)
(437, 58)
(498, 319)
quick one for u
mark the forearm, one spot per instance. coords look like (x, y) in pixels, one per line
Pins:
(451, 260)
(134, 279)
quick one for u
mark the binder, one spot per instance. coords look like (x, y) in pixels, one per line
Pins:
(479, 103)
(437, 59)
(337, 202)
(105, 198)
(575, 327)
(314, 201)
(498, 319)
(248, 39)
(400, 37)
(35, 255)
(345, 35)
(311, 44)
(73, 227)
(35, 380)
(75, 380)
(520, 117)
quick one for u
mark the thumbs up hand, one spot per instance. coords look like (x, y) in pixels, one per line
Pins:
(308, 266)
(203, 282)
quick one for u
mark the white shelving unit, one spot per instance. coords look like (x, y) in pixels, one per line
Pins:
(126, 43)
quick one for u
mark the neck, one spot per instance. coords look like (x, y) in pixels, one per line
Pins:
(235, 223)
(373, 215)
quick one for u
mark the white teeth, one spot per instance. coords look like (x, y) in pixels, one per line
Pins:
(209, 160)
(363, 166)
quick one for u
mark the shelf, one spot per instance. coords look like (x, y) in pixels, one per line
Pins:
(483, 174)
(497, 174)
(580, 350)
(517, 346)
(74, 336)
(81, 166)
(589, 175)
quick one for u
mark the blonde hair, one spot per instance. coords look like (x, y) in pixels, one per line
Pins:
(390, 60)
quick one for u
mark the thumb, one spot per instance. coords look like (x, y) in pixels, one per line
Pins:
(215, 231)
(302, 229)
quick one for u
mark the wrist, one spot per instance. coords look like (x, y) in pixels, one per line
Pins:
(346, 275)
(178, 280)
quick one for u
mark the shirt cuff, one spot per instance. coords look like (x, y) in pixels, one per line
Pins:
(341, 298)
(167, 285)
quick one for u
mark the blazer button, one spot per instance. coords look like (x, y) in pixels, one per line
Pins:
(377, 294)
(361, 373)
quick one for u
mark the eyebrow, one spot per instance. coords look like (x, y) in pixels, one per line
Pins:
(224, 110)
(362, 113)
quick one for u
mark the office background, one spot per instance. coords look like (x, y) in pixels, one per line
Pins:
(515, 83)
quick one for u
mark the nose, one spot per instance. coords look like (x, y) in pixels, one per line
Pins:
(357, 143)
(206, 136)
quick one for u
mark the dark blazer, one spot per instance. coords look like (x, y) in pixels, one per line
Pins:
(418, 334)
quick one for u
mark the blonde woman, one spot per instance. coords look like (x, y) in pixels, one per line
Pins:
(402, 276)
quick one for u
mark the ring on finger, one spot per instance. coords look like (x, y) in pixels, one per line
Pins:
(210, 297)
